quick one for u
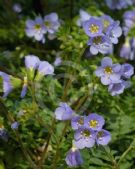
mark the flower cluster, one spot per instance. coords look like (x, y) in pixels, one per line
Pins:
(32, 64)
(119, 4)
(88, 131)
(40, 26)
(103, 32)
(114, 75)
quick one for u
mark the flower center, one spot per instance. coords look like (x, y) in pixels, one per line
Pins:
(108, 70)
(100, 134)
(94, 28)
(86, 133)
(37, 26)
(81, 121)
(93, 123)
(97, 40)
(47, 24)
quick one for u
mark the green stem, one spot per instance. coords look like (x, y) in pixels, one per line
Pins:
(58, 145)
(124, 154)
(32, 164)
(43, 157)
(114, 163)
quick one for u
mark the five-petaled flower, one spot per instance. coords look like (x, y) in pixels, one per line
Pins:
(94, 121)
(108, 72)
(93, 27)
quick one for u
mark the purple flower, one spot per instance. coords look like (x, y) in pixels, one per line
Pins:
(84, 137)
(93, 27)
(129, 21)
(127, 70)
(73, 158)
(77, 121)
(3, 134)
(15, 125)
(100, 44)
(45, 68)
(107, 21)
(109, 72)
(35, 28)
(118, 4)
(84, 16)
(63, 112)
(114, 31)
(128, 49)
(51, 23)
(31, 61)
(119, 87)
(103, 137)
(25, 87)
(94, 121)
(57, 61)
(7, 87)
(17, 8)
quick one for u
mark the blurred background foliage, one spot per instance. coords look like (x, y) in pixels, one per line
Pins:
(35, 122)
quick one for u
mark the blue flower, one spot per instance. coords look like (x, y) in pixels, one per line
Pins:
(93, 27)
(31, 61)
(77, 121)
(63, 112)
(45, 68)
(114, 31)
(128, 49)
(35, 28)
(3, 134)
(7, 86)
(103, 137)
(15, 125)
(51, 23)
(57, 61)
(118, 4)
(109, 72)
(73, 158)
(100, 44)
(129, 21)
(17, 8)
(127, 70)
(119, 87)
(25, 87)
(107, 21)
(84, 16)
(84, 137)
(94, 121)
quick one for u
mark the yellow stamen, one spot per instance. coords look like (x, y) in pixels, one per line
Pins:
(47, 24)
(94, 28)
(108, 70)
(81, 121)
(37, 26)
(93, 123)
(86, 133)
(97, 40)
(100, 134)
